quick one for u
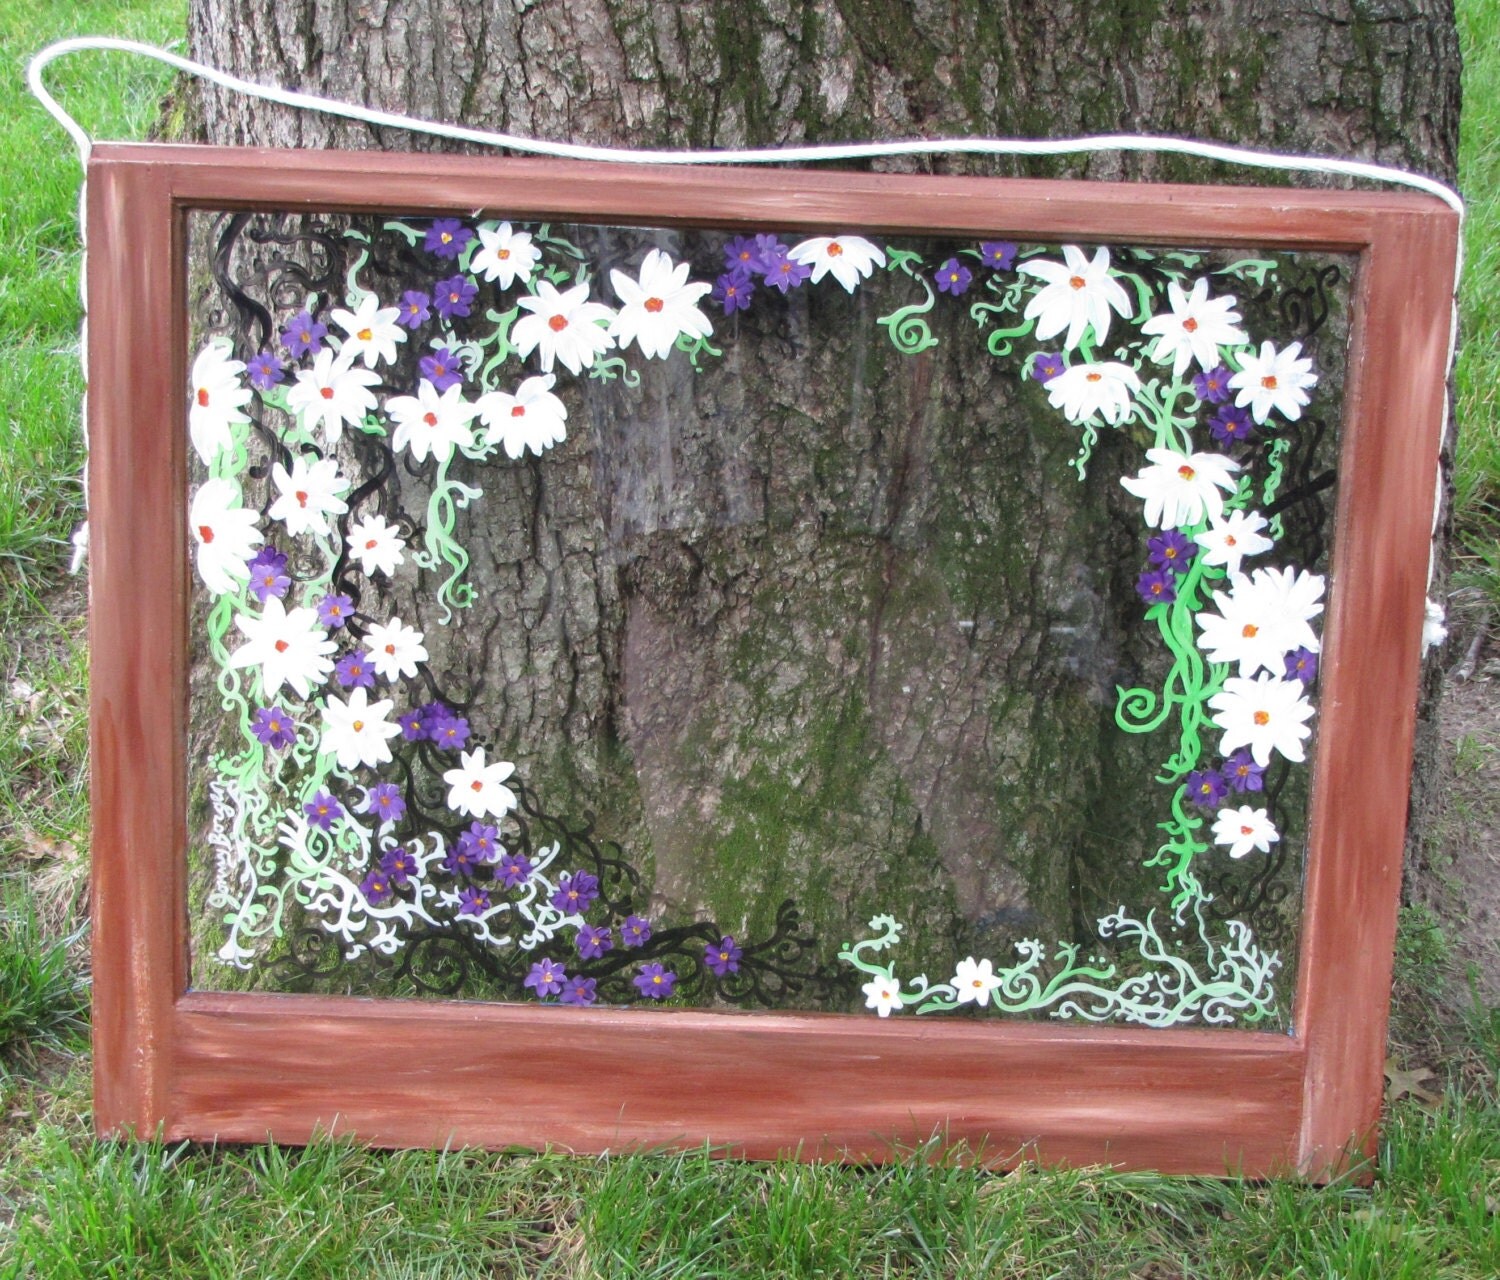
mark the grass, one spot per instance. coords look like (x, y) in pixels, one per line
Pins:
(73, 1206)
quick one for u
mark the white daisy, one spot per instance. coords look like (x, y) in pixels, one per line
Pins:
(562, 327)
(371, 332)
(1244, 829)
(218, 396)
(310, 493)
(883, 995)
(432, 421)
(1231, 537)
(1274, 380)
(974, 981)
(476, 788)
(848, 259)
(533, 418)
(1265, 714)
(1179, 488)
(1078, 293)
(1087, 389)
(376, 544)
(658, 306)
(226, 535)
(395, 649)
(331, 395)
(505, 256)
(1195, 329)
(1262, 618)
(358, 731)
(289, 648)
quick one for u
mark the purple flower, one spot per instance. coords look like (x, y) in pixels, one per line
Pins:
(460, 861)
(768, 252)
(274, 728)
(575, 891)
(265, 370)
(636, 931)
(376, 887)
(654, 982)
(334, 611)
(733, 291)
(953, 277)
(1157, 586)
(1206, 788)
(1045, 366)
(1231, 424)
(787, 274)
(1171, 550)
(723, 957)
(384, 800)
(446, 237)
(454, 295)
(579, 990)
(741, 255)
(268, 575)
(442, 369)
(997, 255)
(413, 725)
(303, 336)
(546, 978)
(594, 941)
(1212, 385)
(323, 811)
(450, 732)
(1242, 773)
(473, 901)
(400, 866)
(414, 304)
(354, 669)
(514, 870)
(481, 841)
(1302, 664)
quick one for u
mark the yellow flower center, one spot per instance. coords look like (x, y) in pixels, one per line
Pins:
(1262, 717)
(1186, 472)
(364, 335)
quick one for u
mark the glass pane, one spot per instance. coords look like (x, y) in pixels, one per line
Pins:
(886, 625)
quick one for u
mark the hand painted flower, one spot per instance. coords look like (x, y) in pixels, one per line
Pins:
(399, 864)
(733, 290)
(883, 995)
(376, 887)
(376, 544)
(303, 335)
(1242, 773)
(593, 941)
(481, 841)
(442, 368)
(1265, 714)
(331, 395)
(225, 534)
(322, 811)
(505, 256)
(1212, 385)
(1261, 618)
(546, 978)
(371, 332)
(1087, 389)
(310, 493)
(273, 728)
(1244, 829)
(218, 396)
(334, 611)
(1206, 788)
(1274, 380)
(514, 870)
(473, 900)
(1078, 293)
(384, 801)
(564, 327)
(446, 237)
(848, 259)
(1179, 488)
(1230, 538)
(953, 277)
(723, 956)
(579, 990)
(289, 648)
(268, 575)
(414, 309)
(358, 731)
(476, 789)
(997, 255)
(654, 982)
(532, 418)
(973, 981)
(658, 306)
(636, 931)
(1195, 329)
(266, 370)
(395, 649)
(431, 421)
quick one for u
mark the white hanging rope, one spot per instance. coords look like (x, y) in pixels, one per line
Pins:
(1433, 632)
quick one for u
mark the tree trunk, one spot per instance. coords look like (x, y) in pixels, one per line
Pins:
(714, 618)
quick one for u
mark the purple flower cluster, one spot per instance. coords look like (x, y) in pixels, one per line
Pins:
(1212, 385)
(1209, 788)
(268, 575)
(751, 258)
(303, 335)
(437, 723)
(1045, 366)
(1171, 554)
(1231, 425)
(442, 369)
(454, 296)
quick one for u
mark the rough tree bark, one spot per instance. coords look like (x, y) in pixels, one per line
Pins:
(643, 619)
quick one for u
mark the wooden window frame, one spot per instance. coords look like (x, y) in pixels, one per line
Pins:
(248, 1067)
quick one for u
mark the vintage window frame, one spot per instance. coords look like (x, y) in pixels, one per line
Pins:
(251, 1067)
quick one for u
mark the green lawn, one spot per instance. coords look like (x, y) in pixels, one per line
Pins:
(71, 1206)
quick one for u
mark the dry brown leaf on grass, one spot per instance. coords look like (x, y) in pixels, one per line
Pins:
(1410, 1084)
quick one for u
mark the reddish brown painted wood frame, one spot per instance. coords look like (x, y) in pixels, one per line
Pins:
(249, 1067)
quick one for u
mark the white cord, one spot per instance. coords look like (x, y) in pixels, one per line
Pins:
(773, 155)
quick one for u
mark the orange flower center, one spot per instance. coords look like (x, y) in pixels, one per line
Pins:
(391, 649)
(476, 785)
(1250, 631)
(301, 496)
(326, 392)
(1186, 472)
(654, 305)
(203, 397)
(1093, 377)
(1190, 325)
(364, 335)
(371, 544)
(358, 726)
(1262, 717)
(1077, 281)
(519, 411)
(1269, 382)
(282, 646)
(502, 254)
(206, 533)
(1229, 540)
(1245, 831)
(835, 249)
(557, 323)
